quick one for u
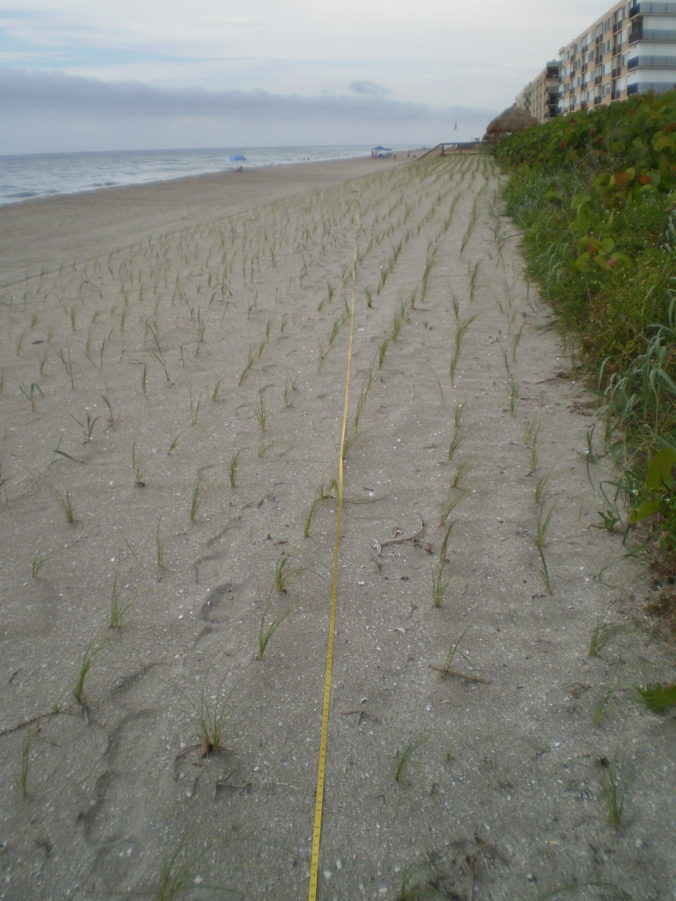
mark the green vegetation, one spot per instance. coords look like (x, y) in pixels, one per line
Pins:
(658, 697)
(594, 194)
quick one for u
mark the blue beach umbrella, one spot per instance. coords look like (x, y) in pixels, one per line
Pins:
(237, 158)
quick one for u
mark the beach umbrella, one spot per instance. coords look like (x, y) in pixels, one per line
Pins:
(237, 158)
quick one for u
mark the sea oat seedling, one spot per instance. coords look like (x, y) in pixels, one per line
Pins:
(544, 570)
(213, 716)
(601, 704)
(540, 487)
(137, 467)
(601, 635)
(444, 544)
(447, 668)
(282, 573)
(439, 583)
(117, 608)
(111, 417)
(462, 470)
(216, 392)
(30, 394)
(39, 561)
(407, 753)
(195, 409)
(513, 393)
(67, 506)
(160, 554)
(85, 668)
(68, 366)
(175, 876)
(456, 441)
(268, 627)
(614, 788)
(196, 498)
(573, 888)
(382, 350)
(233, 468)
(542, 524)
(171, 450)
(260, 411)
(322, 494)
(460, 331)
(25, 761)
(251, 359)
(448, 508)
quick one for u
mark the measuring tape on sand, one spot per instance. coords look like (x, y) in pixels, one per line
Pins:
(328, 671)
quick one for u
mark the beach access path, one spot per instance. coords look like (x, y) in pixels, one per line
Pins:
(173, 364)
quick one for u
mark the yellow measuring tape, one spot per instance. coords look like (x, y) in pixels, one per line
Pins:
(328, 672)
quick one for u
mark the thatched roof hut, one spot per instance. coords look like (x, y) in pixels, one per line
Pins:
(515, 118)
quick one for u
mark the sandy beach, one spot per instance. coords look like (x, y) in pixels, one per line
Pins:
(172, 382)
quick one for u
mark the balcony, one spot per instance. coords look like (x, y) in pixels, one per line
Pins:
(652, 62)
(645, 8)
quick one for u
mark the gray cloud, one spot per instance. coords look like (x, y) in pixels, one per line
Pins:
(34, 91)
(369, 87)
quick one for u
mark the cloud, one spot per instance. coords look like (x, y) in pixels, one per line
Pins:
(36, 91)
(369, 87)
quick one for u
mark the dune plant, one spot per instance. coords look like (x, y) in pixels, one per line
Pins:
(530, 439)
(111, 415)
(66, 503)
(25, 761)
(603, 186)
(440, 581)
(213, 712)
(196, 498)
(85, 668)
(251, 359)
(195, 404)
(117, 608)
(601, 636)
(137, 467)
(233, 468)
(573, 888)
(322, 494)
(405, 757)
(282, 574)
(31, 393)
(269, 625)
(459, 336)
(449, 506)
(614, 789)
(261, 412)
(160, 552)
(461, 471)
(38, 562)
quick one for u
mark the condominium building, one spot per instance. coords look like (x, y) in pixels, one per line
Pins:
(631, 49)
(541, 96)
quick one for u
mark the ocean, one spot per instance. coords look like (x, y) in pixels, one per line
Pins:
(26, 176)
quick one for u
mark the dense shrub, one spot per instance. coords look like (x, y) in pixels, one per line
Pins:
(594, 194)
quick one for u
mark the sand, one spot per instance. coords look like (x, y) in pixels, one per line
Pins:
(173, 359)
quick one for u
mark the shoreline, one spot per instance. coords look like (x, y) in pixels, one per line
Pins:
(43, 233)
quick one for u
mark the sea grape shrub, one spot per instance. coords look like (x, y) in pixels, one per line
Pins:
(594, 194)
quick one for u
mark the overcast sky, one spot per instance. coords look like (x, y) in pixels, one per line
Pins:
(131, 74)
